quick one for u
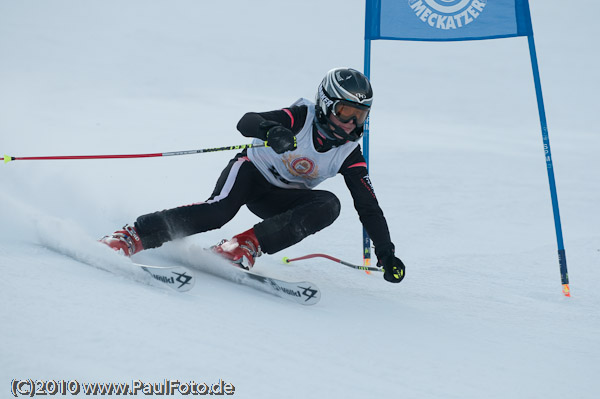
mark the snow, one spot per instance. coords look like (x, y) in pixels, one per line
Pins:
(457, 163)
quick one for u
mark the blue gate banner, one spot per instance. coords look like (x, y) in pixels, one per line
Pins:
(446, 20)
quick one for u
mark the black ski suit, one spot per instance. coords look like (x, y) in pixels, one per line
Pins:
(289, 215)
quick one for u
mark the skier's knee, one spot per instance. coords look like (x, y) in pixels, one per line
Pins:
(329, 208)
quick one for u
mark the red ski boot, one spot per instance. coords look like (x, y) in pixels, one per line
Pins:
(127, 241)
(241, 250)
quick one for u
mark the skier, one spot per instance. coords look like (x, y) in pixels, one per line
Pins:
(307, 143)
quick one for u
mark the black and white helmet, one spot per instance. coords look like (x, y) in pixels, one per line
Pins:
(347, 94)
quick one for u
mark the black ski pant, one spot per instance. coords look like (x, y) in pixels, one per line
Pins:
(289, 215)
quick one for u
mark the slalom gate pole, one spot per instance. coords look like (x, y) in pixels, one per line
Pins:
(8, 158)
(562, 258)
(367, 67)
(365, 268)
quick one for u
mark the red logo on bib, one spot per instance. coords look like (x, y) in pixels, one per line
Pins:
(303, 166)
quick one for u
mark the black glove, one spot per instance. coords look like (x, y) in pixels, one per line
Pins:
(393, 268)
(279, 138)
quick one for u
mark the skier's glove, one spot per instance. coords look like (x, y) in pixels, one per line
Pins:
(393, 268)
(280, 139)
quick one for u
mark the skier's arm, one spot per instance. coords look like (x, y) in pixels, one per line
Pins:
(371, 216)
(257, 124)
(277, 128)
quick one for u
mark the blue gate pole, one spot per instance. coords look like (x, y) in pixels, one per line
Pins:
(562, 260)
(367, 68)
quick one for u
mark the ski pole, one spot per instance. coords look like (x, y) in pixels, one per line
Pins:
(8, 158)
(365, 268)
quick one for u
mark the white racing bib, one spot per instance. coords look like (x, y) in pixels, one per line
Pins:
(305, 167)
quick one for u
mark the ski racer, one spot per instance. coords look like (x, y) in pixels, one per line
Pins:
(307, 144)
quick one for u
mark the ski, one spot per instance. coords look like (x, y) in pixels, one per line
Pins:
(179, 278)
(304, 293)
(205, 260)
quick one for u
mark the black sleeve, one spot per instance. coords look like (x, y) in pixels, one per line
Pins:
(292, 118)
(354, 170)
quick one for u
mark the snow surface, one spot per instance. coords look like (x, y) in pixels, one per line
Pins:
(456, 160)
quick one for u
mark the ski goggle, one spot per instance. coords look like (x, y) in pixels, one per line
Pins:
(346, 111)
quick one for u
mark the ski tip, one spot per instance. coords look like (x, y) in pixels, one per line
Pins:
(566, 290)
(7, 158)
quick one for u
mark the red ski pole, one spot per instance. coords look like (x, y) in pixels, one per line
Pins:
(8, 158)
(365, 268)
